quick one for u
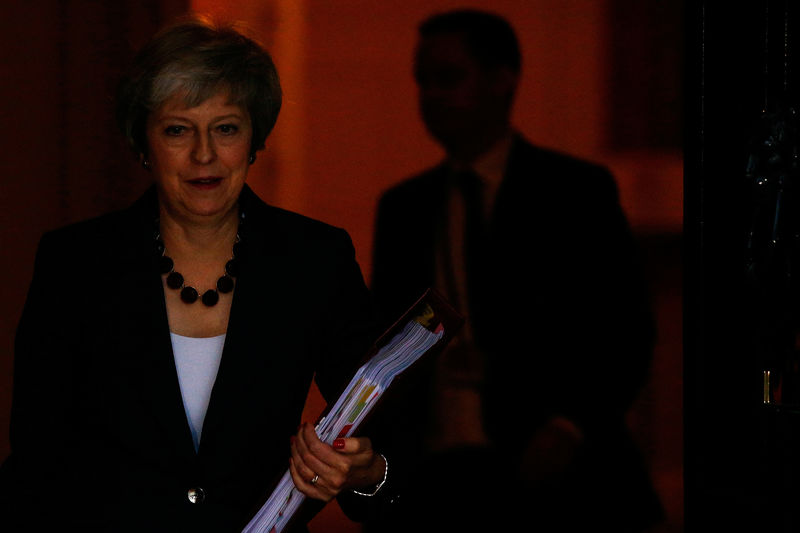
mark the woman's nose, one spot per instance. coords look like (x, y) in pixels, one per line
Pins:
(203, 151)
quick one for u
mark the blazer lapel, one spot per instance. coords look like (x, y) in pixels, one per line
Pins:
(149, 366)
(433, 220)
(251, 381)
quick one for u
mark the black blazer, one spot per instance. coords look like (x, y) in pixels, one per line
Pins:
(562, 311)
(99, 435)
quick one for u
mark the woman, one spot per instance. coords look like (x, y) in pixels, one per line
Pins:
(165, 352)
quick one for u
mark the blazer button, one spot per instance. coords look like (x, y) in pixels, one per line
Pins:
(196, 495)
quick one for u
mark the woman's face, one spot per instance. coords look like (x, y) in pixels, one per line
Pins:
(199, 155)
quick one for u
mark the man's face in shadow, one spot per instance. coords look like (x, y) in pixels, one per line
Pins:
(460, 100)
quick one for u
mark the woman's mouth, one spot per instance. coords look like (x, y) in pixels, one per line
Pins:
(205, 183)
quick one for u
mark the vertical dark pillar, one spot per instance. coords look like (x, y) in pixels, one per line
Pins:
(738, 466)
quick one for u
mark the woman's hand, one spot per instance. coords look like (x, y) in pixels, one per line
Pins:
(322, 471)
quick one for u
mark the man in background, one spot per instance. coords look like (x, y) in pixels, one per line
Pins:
(521, 421)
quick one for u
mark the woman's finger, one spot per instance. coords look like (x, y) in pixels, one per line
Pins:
(313, 487)
(321, 459)
(303, 470)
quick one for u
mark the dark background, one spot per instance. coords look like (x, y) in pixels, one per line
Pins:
(740, 462)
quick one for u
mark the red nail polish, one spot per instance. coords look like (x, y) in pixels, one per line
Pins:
(338, 444)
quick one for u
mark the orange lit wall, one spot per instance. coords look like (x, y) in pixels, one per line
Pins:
(349, 129)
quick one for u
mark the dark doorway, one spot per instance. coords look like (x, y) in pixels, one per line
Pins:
(741, 242)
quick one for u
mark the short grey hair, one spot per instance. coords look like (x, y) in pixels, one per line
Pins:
(196, 59)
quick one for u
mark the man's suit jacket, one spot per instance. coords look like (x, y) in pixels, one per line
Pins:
(98, 432)
(561, 308)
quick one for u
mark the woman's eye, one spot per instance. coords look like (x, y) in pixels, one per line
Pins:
(174, 131)
(227, 129)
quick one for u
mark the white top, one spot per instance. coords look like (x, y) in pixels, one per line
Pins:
(197, 361)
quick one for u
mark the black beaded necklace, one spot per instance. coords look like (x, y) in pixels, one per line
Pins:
(189, 294)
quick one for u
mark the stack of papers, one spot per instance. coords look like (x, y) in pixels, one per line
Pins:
(359, 397)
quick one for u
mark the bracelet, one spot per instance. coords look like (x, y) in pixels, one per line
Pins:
(379, 485)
